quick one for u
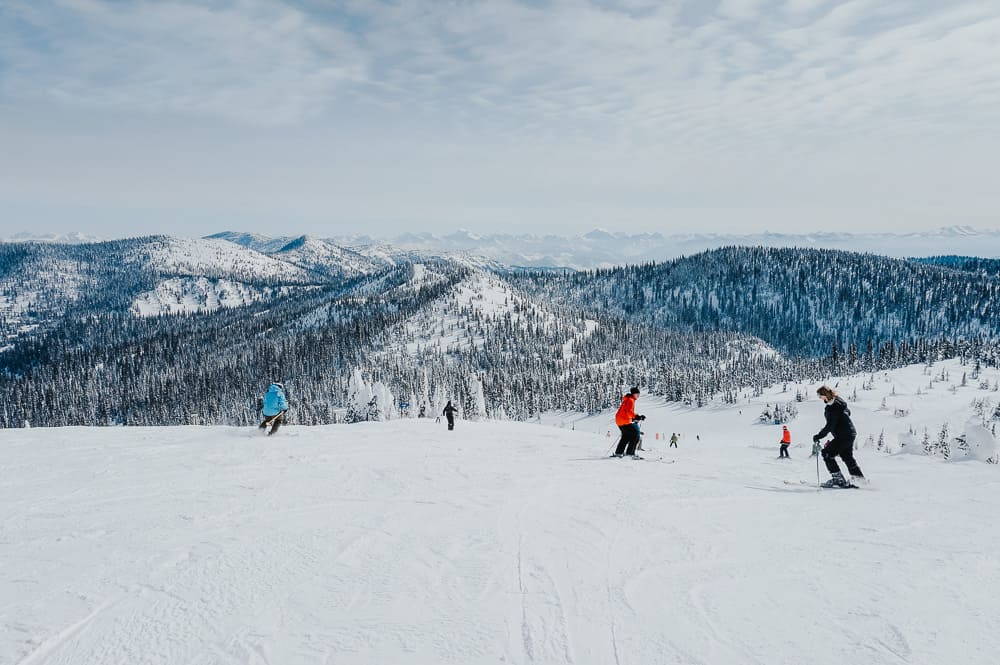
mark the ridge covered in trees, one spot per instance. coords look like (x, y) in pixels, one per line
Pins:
(800, 301)
(507, 344)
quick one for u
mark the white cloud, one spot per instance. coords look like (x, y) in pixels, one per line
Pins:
(743, 10)
(256, 61)
(504, 62)
(464, 107)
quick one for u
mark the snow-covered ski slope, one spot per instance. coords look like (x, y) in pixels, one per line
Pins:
(401, 542)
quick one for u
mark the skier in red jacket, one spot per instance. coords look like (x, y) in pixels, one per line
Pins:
(626, 419)
(786, 439)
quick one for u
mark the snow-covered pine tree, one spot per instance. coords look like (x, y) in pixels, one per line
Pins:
(374, 411)
(962, 442)
(414, 406)
(438, 401)
(943, 447)
(478, 401)
(384, 402)
(358, 397)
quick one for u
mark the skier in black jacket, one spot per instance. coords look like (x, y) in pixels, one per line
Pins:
(838, 423)
(449, 412)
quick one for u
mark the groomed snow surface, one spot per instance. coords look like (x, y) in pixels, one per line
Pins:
(402, 542)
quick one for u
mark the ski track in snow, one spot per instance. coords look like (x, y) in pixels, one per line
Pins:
(497, 543)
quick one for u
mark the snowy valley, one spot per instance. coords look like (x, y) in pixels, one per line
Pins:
(503, 542)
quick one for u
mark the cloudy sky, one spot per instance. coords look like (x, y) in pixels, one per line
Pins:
(321, 116)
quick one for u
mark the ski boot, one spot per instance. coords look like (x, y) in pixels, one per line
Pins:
(637, 456)
(837, 480)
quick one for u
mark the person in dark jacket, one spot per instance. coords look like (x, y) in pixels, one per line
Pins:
(838, 423)
(275, 406)
(449, 413)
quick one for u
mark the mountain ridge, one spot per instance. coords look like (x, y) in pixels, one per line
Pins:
(159, 317)
(600, 248)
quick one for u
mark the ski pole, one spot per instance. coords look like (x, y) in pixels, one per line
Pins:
(612, 446)
(818, 452)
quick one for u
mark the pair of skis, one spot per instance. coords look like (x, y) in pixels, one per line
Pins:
(660, 459)
(811, 485)
(801, 486)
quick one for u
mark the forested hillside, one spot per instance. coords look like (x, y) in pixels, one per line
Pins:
(111, 336)
(984, 267)
(801, 301)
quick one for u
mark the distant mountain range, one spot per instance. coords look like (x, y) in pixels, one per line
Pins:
(597, 249)
(602, 249)
(57, 238)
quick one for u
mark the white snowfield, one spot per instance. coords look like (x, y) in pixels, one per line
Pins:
(401, 542)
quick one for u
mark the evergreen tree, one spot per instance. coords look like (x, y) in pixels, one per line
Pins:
(943, 444)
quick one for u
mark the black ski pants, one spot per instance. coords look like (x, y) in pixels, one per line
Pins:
(784, 450)
(451, 421)
(273, 421)
(629, 440)
(845, 449)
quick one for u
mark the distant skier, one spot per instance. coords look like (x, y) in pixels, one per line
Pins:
(673, 440)
(626, 418)
(786, 440)
(449, 413)
(838, 423)
(275, 407)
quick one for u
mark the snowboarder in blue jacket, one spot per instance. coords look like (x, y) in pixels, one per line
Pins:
(275, 407)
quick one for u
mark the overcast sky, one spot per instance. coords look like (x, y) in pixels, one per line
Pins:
(324, 117)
